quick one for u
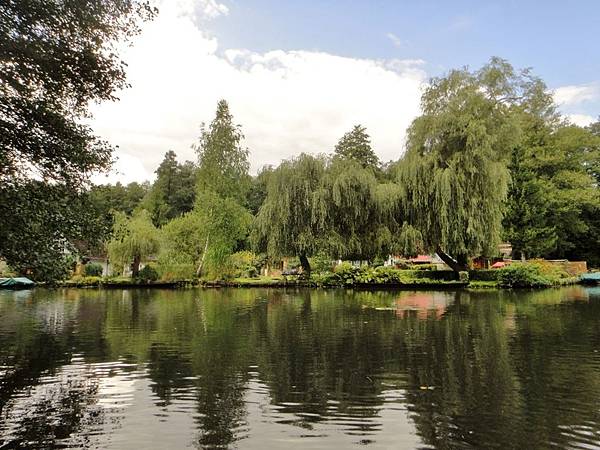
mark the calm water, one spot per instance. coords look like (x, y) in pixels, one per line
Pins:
(139, 369)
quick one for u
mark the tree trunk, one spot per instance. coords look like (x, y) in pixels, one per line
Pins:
(201, 265)
(135, 267)
(305, 265)
(451, 262)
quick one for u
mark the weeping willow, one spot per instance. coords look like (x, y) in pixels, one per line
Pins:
(286, 223)
(454, 174)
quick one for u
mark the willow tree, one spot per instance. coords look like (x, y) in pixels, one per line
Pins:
(454, 172)
(349, 210)
(134, 239)
(286, 223)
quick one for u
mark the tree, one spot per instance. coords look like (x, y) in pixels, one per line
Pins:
(356, 145)
(454, 171)
(527, 221)
(38, 216)
(107, 199)
(174, 191)
(222, 161)
(349, 214)
(225, 225)
(56, 58)
(133, 239)
(258, 189)
(555, 202)
(223, 184)
(287, 223)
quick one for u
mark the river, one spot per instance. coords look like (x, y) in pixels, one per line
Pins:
(257, 368)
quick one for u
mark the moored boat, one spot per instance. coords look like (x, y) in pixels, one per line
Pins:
(591, 278)
(16, 283)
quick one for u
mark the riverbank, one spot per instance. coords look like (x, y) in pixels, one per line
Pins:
(443, 282)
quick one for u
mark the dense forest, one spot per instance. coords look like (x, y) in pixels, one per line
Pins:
(489, 159)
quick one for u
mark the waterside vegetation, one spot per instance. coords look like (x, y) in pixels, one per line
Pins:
(489, 159)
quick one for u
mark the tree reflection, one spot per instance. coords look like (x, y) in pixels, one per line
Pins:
(478, 369)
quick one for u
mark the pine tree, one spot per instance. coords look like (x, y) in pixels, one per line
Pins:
(355, 145)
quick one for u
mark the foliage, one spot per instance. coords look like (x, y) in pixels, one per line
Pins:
(203, 239)
(346, 274)
(134, 238)
(356, 146)
(522, 276)
(554, 208)
(321, 263)
(223, 162)
(38, 236)
(174, 191)
(533, 274)
(182, 241)
(458, 145)
(170, 271)
(56, 59)
(225, 224)
(346, 212)
(484, 275)
(285, 224)
(246, 264)
(93, 270)
(148, 273)
(258, 190)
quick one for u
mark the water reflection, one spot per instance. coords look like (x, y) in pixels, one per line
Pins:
(256, 368)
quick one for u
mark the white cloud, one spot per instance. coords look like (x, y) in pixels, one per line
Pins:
(576, 94)
(198, 11)
(395, 40)
(127, 168)
(286, 101)
(583, 120)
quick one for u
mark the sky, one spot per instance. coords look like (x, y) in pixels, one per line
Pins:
(298, 74)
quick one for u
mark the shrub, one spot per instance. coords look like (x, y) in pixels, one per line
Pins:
(345, 273)
(423, 267)
(148, 273)
(176, 271)
(484, 275)
(321, 263)
(523, 275)
(245, 264)
(93, 270)
(379, 275)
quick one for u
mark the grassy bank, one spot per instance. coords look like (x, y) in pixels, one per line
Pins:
(518, 275)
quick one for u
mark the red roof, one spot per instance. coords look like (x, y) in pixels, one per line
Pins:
(421, 259)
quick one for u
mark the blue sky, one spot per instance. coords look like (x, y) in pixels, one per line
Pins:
(560, 40)
(298, 74)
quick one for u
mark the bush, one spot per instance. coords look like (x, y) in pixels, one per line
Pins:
(321, 264)
(148, 273)
(93, 270)
(523, 275)
(422, 267)
(245, 264)
(484, 275)
(345, 273)
(176, 271)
